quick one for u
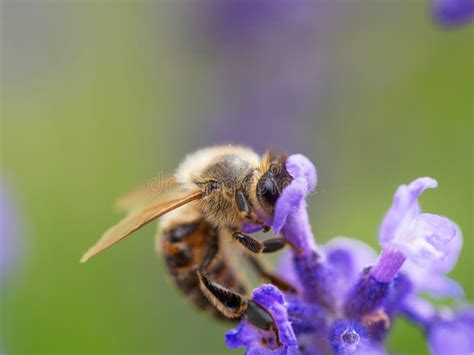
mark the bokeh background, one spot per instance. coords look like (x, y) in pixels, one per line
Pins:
(99, 96)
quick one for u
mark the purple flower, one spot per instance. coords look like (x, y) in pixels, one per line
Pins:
(418, 310)
(449, 331)
(259, 341)
(406, 233)
(432, 278)
(452, 332)
(8, 230)
(349, 337)
(265, 69)
(347, 258)
(453, 13)
(243, 22)
(347, 298)
(290, 210)
(9, 233)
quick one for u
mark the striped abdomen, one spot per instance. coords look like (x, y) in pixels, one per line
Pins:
(185, 246)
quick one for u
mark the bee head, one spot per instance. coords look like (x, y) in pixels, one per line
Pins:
(273, 180)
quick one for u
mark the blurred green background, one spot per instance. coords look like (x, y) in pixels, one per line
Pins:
(93, 104)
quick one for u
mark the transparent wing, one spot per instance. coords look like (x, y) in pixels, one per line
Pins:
(158, 188)
(136, 220)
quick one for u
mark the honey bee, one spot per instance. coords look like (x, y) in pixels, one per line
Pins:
(217, 193)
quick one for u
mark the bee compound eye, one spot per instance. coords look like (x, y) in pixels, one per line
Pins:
(267, 189)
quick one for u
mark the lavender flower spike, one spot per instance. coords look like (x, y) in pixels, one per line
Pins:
(291, 217)
(407, 233)
(342, 305)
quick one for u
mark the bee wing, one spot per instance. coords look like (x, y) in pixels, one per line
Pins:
(157, 189)
(136, 220)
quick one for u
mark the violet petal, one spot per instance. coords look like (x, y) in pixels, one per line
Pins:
(432, 278)
(347, 258)
(304, 181)
(404, 208)
(421, 237)
(453, 333)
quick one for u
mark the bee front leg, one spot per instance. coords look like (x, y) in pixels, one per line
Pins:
(234, 305)
(255, 246)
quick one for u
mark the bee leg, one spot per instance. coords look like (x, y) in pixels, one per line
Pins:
(261, 318)
(244, 207)
(273, 279)
(229, 303)
(255, 246)
(234, 305)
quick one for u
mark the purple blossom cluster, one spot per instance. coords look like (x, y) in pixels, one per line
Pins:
(266, 67)
(269, 63)
(453, 13)
(348, 297)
